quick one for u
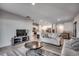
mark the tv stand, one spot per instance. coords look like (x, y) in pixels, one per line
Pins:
(19, 39)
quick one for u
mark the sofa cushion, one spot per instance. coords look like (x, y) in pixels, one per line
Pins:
(75, 44)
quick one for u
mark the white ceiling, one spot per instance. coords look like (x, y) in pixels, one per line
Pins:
(44, 11)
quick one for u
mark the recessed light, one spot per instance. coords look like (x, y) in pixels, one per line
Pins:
(58, 19)
(33, 3)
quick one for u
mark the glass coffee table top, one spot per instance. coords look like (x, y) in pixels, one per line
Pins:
(34, 48)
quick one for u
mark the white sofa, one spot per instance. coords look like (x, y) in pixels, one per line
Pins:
(53, 40)
(67, 49)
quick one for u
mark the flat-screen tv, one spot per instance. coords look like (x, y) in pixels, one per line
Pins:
(21, 32)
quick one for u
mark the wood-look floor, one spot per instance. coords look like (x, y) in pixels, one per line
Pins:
(20, 50)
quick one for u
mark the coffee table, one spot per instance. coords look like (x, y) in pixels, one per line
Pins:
(34, 48)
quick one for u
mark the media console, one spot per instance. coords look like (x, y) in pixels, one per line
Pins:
(20, 39)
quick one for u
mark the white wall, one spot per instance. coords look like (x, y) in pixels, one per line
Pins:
(68, 26)
(60, 28)
(8, 25)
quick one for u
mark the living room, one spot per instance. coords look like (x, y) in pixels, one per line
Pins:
(35, 30)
